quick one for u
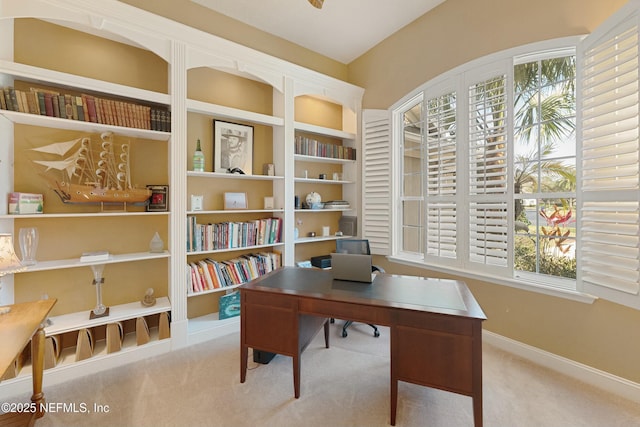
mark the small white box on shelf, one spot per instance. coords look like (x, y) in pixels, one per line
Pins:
(94, 256)
(25, 203)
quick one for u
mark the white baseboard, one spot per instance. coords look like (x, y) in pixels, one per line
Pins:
(597, 378)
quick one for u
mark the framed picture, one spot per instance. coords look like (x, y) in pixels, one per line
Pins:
(268, 203)
(232, 147)
(159, 200)
(235, 200)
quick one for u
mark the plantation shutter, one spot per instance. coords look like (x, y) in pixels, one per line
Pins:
(488, 205)
(376, 182)
(441, 177)
(609, 259)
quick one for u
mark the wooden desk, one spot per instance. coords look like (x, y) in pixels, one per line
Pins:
(25, 322)
(435, 325)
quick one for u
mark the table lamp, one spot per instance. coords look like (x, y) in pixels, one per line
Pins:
(9, 262)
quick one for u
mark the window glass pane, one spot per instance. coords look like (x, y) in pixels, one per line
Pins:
(545, 237)
(412, 230)
(412, 150)
(412, 181)
(525, 76)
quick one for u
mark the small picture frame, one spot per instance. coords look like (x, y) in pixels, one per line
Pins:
(159, 200)
(268, 203)
(269, 169)
(197, 202)
(232, 147)
(235, 201)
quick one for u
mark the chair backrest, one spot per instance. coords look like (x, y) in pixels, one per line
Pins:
(353, 246)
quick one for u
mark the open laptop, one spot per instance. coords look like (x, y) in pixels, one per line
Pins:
(351, 267)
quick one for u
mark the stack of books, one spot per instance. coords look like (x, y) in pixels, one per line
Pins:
(208, 274)
(337, 204)
(85, 107)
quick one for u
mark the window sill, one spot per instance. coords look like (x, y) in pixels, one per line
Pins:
(513, 283)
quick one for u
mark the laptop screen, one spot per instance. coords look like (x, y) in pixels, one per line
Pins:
(351, 267)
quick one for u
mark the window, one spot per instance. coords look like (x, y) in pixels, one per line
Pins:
(488, 169)
(545, 167)
(523, 167)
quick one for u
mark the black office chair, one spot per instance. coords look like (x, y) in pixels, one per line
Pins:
(358, 247)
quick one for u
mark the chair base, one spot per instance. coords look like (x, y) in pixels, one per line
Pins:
(348, 323)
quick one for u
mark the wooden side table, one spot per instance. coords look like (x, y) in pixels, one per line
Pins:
(25, 322)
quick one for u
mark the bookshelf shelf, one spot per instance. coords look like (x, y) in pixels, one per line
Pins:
(74, 321)
(75, 262)
(317, 159)
(244, 248)
(234, 211)
(212, 291)
(322, 181)
(315, 211)
(82, 215)
(323, 131)
(303, 240)
(224, 112)
(43, 76)
(80, 126)
(220, 175)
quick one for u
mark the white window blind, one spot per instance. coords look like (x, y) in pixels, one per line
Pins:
(609, 261)
(487, 199)
(441, 176)
(376, 182)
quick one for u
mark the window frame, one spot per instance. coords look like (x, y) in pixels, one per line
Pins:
(460, 78)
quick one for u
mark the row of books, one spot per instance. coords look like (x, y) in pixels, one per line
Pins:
(86, 108)
(208, 274)
(227, 235)
(311, 147)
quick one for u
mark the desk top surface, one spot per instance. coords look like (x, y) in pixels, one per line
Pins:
(408, 292)
(18, 326)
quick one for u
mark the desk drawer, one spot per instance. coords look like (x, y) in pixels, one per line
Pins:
(345, 310)
(272, 300)
(434, 322)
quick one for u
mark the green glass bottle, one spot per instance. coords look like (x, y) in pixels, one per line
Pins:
(198, 159)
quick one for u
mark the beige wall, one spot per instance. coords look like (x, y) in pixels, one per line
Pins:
(196, 16)
(459, 31)
(603, 335)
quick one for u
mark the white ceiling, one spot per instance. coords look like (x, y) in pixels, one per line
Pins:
(342, 30)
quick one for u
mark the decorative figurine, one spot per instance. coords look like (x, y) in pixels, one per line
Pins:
(148, 300)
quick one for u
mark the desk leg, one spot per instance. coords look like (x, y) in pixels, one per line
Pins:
(477, 374)
(296, 375)
(393, 375)
(37, 355)
(394, 400)
(326, 334)
(244, 355)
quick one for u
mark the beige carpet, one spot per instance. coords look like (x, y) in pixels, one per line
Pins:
(346, 385)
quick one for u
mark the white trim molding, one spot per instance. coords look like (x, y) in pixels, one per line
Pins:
(595, 377)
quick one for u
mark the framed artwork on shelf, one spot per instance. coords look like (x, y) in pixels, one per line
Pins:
(232, 147)
(235, 200)
(159, 200)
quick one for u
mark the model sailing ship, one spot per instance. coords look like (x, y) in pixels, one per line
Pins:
(92, 172)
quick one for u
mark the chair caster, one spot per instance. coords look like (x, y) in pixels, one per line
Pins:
(344, 333)
(376, 333)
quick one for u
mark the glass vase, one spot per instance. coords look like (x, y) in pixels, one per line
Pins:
(28, 238)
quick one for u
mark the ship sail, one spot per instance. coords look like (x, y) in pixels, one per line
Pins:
(89, 179)
(59, 148)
